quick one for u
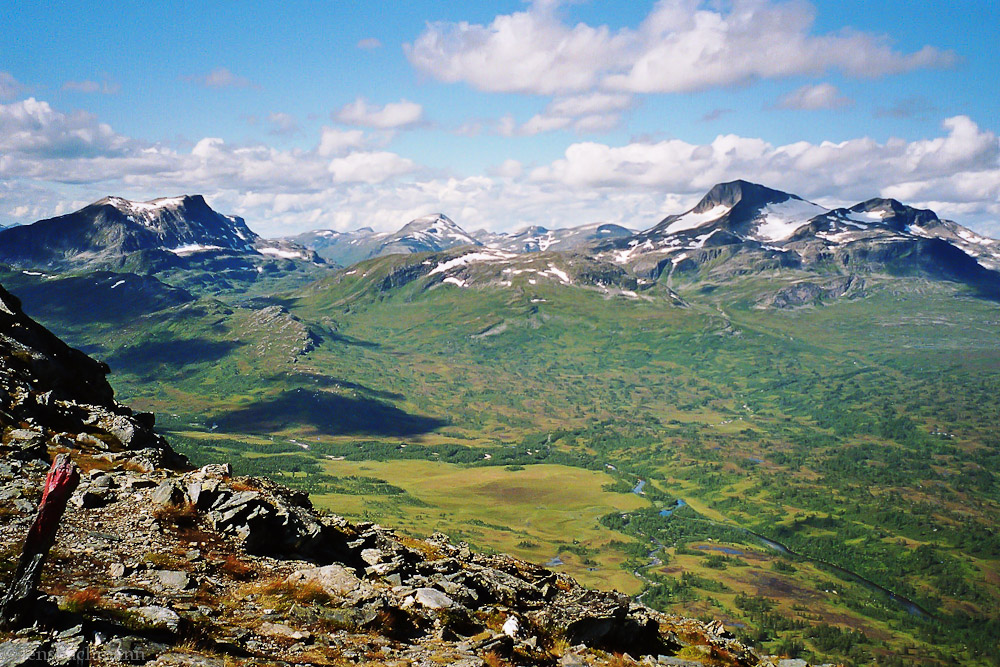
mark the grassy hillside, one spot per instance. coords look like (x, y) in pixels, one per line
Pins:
(564, 421)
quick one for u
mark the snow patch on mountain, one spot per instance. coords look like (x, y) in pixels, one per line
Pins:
(558, 273)
(192, 248)
(284, 254)
(692, 220)
(488, 255)
(781, 220)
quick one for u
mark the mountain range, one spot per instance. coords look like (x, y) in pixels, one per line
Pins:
(737, 229)
(757, 228)
(438, 232)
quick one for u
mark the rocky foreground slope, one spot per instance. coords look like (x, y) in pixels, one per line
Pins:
(157, 563)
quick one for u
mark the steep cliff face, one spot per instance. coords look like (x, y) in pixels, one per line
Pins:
(158, 564)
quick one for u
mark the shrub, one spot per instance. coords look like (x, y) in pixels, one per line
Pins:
(237, 569)
(184, 515)
(83, 601)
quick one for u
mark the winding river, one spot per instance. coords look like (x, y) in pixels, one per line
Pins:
(911, 607)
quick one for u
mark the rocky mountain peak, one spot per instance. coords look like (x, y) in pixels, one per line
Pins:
(739, 191)
(429, 233)
(894, 213)
(436, 224)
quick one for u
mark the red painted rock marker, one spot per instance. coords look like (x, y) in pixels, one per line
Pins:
(17, 604)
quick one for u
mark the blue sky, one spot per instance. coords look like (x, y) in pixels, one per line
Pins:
(301, 115)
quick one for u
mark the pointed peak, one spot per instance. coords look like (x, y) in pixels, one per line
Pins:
(433, 218)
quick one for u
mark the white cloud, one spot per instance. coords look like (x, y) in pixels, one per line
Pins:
(543, 123)
(591, 103)
(592, 112)
(506, 126)
(369, 167)
(369, 44)
(336, 142)
(681, 46)
(51, 162)
(221, 77)
(528, 51)
(960, 167)
(33, 127)
(9, 86)
(811, 98)
(509, 169)
(392, 115)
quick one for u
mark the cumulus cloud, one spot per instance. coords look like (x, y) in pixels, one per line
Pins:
(369, 167)
(221, 77)
(10, 87)
(337, 142)
(509, 168)
(592, 112)
(52, 161)
(530, 52)
(393, 115)
(812, 98)
(33, 127)
(965, 159)
(681, 46)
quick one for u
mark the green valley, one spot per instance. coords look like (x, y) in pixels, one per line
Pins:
(562, 423)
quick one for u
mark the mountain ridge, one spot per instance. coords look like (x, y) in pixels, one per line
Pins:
(112, 229)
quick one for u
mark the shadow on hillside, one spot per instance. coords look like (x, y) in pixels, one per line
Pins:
(328, 382)
(327, 412)
(146, 359)
(351, 340)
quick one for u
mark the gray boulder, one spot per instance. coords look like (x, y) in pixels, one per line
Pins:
(159, 618)
(22, 653)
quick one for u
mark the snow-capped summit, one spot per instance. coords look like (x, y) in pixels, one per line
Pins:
(181, 221)
(114, 227)
(756, 228)
(745, 209)
(428, 233)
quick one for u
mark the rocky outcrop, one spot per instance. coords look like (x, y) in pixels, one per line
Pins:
(807, 292)
(52, 394)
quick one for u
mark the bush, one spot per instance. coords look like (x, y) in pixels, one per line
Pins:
(184, 515)
(83, 601)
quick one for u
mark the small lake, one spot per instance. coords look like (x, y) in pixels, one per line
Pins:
(667, 512)
(726, 550)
